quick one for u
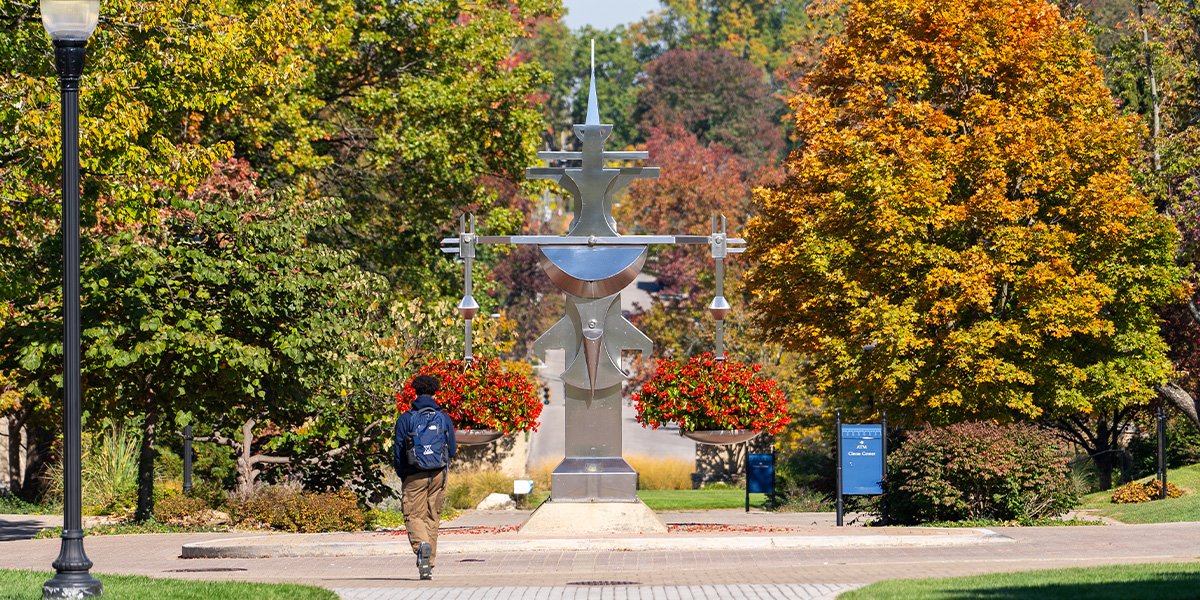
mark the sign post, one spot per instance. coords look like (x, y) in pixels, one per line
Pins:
(838, 451)
(862, 461)
(1161, 415)
(760, 475)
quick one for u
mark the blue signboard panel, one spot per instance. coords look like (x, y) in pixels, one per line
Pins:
(862, 459)
(761, 476)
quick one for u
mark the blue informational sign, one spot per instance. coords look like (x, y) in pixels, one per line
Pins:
(862, 459)
(760, 478)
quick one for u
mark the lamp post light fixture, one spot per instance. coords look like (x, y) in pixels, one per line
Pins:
(70, 23)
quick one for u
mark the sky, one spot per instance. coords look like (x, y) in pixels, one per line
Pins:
(606, 14)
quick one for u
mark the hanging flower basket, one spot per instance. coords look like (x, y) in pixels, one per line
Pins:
(484, 399)
(714, 402)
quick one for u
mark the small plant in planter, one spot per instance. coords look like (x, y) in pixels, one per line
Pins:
(481, 395)
(706, 394)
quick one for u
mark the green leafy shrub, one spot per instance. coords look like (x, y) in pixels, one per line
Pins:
(979, 471)
(801, 499)
(1183, 448)
(1136, 493)
(12, 505)
(288, 509)
(384, 519)
(180, 509)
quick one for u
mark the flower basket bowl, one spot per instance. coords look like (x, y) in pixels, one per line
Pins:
(713, 401)
(476, 437)
(484, 397)
(720, 437)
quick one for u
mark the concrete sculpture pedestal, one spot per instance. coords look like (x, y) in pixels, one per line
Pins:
(593, 518)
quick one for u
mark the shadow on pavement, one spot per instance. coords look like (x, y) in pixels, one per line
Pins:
(19, 527)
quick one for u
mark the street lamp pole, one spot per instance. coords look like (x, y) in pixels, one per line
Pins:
(70, 23)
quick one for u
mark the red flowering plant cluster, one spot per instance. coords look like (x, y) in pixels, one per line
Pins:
(709, 394)
(481, 394)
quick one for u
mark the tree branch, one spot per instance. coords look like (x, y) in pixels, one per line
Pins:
(1178, 397)
(328, 454)
(215, 438)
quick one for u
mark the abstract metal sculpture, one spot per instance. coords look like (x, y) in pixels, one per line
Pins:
(592, 264)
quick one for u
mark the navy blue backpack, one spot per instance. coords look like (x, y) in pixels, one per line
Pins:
(426, 445)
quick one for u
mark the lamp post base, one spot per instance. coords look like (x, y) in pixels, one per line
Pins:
(73, 579)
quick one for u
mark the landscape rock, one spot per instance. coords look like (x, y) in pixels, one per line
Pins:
(497, 502)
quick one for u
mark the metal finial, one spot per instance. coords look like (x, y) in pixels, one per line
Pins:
(593, 114)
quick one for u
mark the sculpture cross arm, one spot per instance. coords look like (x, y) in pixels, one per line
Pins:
(555, 155)
(578, 240)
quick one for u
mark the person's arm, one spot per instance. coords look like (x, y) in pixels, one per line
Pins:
(453, 443)
(399, 458)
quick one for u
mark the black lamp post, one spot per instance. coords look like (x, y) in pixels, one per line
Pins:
(70, 23)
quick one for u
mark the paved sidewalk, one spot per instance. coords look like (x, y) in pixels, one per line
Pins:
(481, 532)
(677, 572)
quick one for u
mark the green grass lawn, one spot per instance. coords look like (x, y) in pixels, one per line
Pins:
(1170, 510)
(698, 499)
(27, 585)
(1133, 582)
(683, 499)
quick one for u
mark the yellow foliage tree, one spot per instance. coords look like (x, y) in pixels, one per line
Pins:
(959, 236)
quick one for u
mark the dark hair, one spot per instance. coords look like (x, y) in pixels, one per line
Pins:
(425, 385)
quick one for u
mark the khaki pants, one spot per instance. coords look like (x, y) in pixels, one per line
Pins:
(424, 494)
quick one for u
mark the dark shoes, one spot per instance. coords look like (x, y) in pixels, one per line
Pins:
(424, 551)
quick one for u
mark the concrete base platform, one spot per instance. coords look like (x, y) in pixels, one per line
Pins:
(593, 518)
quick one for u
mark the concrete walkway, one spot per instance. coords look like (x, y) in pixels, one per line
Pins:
(580, 572)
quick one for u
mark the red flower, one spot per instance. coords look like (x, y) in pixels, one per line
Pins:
(481, 395)
(706, 394)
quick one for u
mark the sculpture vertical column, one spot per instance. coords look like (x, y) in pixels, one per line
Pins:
(591, 265)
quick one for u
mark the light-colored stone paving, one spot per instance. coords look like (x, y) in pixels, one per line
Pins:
(820, 591)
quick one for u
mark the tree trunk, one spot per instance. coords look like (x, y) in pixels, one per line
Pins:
(145, 501)
(16, 423)
(39, 452)
(245, 463)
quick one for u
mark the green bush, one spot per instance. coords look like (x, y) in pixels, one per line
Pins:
(979, 471)
(180, 509)
(288, 509)
(804, 482)
(1183, 448)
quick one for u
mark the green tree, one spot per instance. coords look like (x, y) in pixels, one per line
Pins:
(401, 109)
(1155, 69)
(960, 235)
(759, 30)
(149, 80)
(567, 57)
(223, 308)
(716, 96)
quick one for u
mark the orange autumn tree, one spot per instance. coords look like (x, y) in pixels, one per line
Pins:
(958, 236)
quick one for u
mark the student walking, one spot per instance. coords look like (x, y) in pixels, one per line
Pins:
(422, 452)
